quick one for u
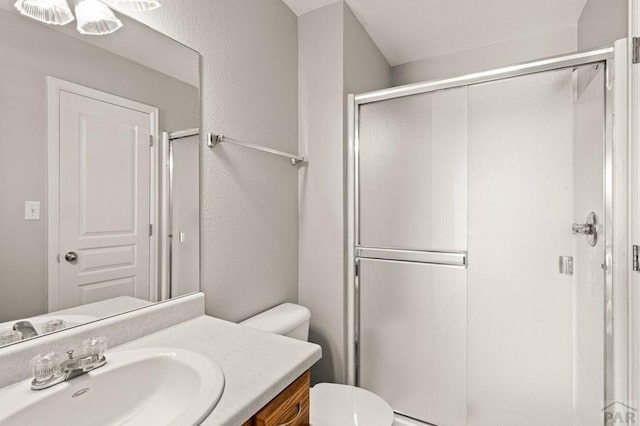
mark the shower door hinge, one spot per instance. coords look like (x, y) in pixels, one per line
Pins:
(150, 230)
(636, 258)
(636, 50)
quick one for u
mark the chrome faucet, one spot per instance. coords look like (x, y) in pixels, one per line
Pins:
(48, 371)
(74, 367)
(26, 329)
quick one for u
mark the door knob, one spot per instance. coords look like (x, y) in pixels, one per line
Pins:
(583, 228)
(71, 257)
(589, 229)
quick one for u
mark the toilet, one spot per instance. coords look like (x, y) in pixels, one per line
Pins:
(330, 404)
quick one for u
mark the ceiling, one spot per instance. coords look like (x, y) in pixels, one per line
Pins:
(300, 7)
(407, 30)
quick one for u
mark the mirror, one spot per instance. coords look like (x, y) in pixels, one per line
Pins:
(99, 173)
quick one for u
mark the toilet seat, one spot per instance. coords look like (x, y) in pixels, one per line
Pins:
(341, 405)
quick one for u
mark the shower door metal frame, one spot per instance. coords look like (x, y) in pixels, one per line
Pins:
(166, 272)
(354, 252)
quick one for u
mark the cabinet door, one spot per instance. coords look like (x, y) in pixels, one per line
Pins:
(290, 407)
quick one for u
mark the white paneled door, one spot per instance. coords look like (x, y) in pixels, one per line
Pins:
(105, 188)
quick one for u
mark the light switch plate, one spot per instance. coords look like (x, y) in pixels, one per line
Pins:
(32, 210)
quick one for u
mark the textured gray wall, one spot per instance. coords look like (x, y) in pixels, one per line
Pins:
(28, 53)
(321, 277)
(365, 67)
(337, 57)
(249, 199)
(558, 42)
(602, 22)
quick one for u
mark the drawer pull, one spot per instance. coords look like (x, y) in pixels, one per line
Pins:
(295, 419)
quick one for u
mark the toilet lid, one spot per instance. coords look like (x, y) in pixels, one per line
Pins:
(342, 405)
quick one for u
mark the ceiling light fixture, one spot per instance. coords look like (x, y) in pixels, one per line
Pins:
(138, 5)
(54, 12)
(94, 17)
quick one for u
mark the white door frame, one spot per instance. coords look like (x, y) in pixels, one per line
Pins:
(54, 87)
(619, 208)
(634, 205)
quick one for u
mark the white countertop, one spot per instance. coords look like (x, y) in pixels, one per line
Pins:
(257, 366)
(90, 312)
(106, 308)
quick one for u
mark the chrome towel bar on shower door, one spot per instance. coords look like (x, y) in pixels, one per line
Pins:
(431, 257)
(213, 140)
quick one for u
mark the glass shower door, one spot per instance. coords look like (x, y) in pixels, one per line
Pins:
(468, 199)
(535, 334)
(411, 250)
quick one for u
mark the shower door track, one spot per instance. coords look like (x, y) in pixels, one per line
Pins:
(542, 65)
(354, 250)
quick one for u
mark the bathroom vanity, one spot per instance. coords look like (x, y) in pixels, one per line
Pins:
(290, 407)
(266, 379)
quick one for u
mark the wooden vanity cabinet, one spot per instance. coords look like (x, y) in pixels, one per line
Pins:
(289, 408)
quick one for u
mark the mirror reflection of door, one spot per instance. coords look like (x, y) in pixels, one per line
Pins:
(104, 191)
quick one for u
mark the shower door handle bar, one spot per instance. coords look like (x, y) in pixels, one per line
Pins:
(431, 257)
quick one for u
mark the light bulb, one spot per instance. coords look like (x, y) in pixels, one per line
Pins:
(95, 18)
(55, 12)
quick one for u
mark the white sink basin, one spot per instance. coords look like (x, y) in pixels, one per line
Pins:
(156, 386)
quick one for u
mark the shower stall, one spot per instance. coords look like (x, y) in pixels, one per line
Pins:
(481, 244)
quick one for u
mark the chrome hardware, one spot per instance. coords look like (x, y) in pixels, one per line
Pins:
(565, 265)
(72, 367)
(636, 258)
(71, 257)
(80, 392)
(444, 258)
(25, 328)
(213, 140)
(181, 134)
(589, 229)
(582, 228)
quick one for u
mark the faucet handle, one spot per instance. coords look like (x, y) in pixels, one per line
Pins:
(53, 325)
(95, 346)
(70, 354)
(10, 336)
(45, 366)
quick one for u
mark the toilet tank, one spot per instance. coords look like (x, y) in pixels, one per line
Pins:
(288, 319)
